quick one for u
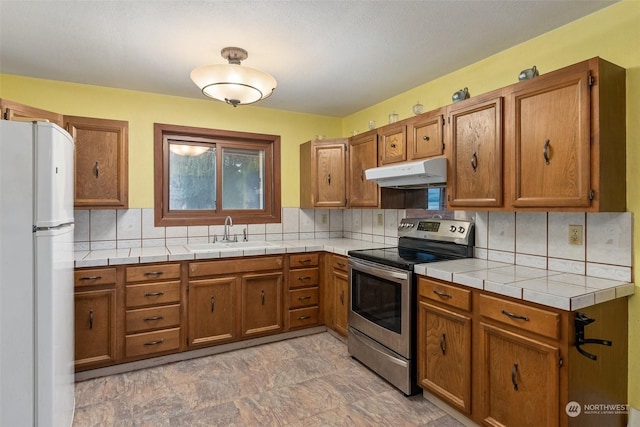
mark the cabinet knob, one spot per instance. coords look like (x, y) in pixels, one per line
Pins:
(393, 145)
(425, 138)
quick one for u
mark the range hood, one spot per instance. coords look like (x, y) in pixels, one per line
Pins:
(420, 174)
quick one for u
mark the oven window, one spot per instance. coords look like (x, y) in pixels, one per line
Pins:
(377, 300)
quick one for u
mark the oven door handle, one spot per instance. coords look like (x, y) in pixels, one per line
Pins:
(379, 270)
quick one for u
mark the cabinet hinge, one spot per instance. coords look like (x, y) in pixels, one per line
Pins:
(592, 194)
(590, 80)
(448, 119)
(5, 115)
(443, 146)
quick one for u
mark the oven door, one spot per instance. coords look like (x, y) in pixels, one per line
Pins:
(380, 304)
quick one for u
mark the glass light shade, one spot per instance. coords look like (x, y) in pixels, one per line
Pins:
(233, 84)
(187, 150)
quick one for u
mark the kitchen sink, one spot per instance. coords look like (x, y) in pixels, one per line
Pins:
(220, 246)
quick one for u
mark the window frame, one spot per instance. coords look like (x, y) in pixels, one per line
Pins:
(271, 213)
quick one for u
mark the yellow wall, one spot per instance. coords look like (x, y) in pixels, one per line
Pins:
(613, 34)
(142, 109)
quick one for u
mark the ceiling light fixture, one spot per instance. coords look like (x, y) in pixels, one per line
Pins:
(232, 83)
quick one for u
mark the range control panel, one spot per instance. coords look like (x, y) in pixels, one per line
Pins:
(445, 230)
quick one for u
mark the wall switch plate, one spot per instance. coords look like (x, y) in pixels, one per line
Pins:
(380, 219)
(323, 218)
(575, 235)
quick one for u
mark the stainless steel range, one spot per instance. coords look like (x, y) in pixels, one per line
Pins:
(383, 305)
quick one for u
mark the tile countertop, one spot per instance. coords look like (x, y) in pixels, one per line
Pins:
(99, 258)
(551, 288)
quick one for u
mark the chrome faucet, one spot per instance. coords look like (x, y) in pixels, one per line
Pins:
(228, 223)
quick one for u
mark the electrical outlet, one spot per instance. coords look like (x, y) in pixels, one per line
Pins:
(380, 219)
(575, 235)
(323, 218)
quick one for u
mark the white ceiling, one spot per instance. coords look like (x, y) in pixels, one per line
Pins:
(329, 57)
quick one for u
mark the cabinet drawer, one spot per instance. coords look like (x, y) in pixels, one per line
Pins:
(303, 317)
(450, 295)
(152, 342)
(303, 277)
(303, 260)
(96, 276)
(210, 268)
(339, 263)
(303, 297)
(146, 273)
(144, 319)
(532, 319)
(153, 293)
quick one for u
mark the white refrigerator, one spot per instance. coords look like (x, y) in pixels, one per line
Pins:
(36, 275)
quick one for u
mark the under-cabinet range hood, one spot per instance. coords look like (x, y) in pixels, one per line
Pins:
(420, 174)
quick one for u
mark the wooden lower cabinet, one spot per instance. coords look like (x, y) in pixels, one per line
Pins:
(445, 342)
(212, 310)
(95, 328)
(337, 293)
(520, 378)
(261, 304)
(341, 302)
(506, 362)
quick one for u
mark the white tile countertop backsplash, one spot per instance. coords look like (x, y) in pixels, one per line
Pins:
(557, 289)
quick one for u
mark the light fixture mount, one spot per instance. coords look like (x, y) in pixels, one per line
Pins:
(232, 83)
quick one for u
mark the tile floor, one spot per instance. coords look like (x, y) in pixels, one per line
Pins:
(307, 381)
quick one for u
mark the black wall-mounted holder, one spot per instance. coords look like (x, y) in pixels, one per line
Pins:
(581, 321)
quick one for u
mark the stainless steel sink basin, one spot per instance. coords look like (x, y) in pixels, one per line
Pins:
(220, 246)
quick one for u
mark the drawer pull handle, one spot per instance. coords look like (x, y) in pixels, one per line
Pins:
(341, 264)
(329, 179)
(153, 273)
(213, 303)
(262, 296)
(342, 297)
(304, 278)
(96, 170)
(443, 344)
(91, 278)
(515, 316)
(514, 373)
(154, 294)
(304, 317)
(304, 297)
(303, 261)
(90, 319)
(156, 342)
(442, 294)
(151, 319)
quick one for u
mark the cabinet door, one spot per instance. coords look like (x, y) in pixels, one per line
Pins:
(520, 380)
(212, 310)
(15, 111)
(363, 155)
(476, 161)
(341, 302)
(262, 303)
(444, 355)
(553, 142)
(329, 165)
(425, 137)
(95, 328)
(101, 162)
(392, 144)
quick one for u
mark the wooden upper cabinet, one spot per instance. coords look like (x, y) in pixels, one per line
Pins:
(569, 137)
(323, 172)
(101, 163)
(475, 127)
(392, 144)
(425, 136)
(15, 111)
(363, 155)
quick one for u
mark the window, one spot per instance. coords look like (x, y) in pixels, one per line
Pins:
(203, 175)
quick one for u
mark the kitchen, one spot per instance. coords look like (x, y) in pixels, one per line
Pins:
(561, 48)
